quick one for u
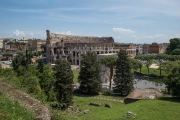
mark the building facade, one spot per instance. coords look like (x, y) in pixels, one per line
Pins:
(1, 43)
(139, 49)
(163, 47)
(35, 44)
(145, 48)
(14, 44)
(71, 48)
(154, 48)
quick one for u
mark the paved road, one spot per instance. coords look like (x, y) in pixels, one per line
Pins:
(5, 64)
(147, 84)
(74, 67)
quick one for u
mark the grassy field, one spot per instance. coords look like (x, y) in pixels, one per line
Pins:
(153, 71)
(144, 70)
(76, 74)
(162, 109)
(11, 110)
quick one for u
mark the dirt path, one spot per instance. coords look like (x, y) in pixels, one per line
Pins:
(104, 98)
(110, 99)
(39, 111)
(154, 66)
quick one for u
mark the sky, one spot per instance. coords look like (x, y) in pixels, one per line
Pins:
(127, 21)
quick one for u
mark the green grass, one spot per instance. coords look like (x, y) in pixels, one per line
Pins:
(76, 74)
(162, 109)
(11, 110)
(153, 71)
(144, 70)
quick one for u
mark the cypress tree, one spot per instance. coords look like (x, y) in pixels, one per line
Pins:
(123, 77)
(40, 66)
(63, 84)
(89, 76)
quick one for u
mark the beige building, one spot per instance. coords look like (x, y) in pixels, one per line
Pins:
(145, 48)
(1, 43)
(163, 47)
(14, 44)
(139, 49)
(70, 48)
(130, 48)
(35, 44)
(25, 38)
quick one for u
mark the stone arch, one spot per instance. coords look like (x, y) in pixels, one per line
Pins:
(77, 62)
(70, 61)
(55, 50)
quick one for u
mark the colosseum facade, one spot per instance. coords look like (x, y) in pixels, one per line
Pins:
(71, 48)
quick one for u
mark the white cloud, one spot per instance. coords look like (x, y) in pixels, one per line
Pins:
(134, 37)
(177, 35)
(66, 33)
(159, 35)
(159, 38)
(122, 30)
(18, 33)
(32, 34)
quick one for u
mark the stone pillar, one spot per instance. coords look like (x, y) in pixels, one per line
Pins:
(75, 57)
(79, 58)
(62, 51)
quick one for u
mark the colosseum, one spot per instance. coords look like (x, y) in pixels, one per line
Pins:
(71, 48)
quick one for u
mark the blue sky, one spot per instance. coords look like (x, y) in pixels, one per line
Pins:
(127, 21)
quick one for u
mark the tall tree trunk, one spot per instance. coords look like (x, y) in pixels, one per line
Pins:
(160, 69)
(147, 69)
(110, 77)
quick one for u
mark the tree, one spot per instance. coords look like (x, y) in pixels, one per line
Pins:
(27, 60)
(176, 51)
(139, 65)
(160, 58)
(135, 64)
(148, 61)
(43, 47)
(110, 62)
(173, 81)
(174, 44)
(46, 80)
(63, 84)
(21, 60)
(170, 65)
(40, 66)
(89, 76)
(123, 77)
(16, 62)
(139, 57)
